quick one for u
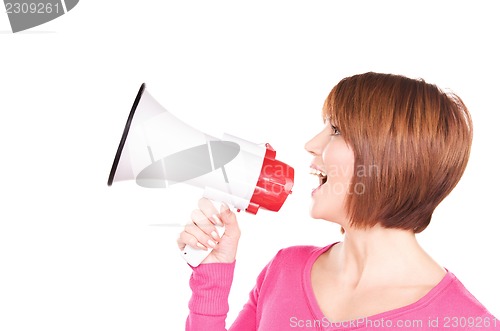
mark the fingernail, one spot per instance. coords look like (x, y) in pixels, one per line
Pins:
(215, 235)
(211, 243)
(224, 209)
(201, 246)
(217, 220)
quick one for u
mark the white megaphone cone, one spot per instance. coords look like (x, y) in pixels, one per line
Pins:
(158, 150)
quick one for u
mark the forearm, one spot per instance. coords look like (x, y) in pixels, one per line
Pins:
(208, 306)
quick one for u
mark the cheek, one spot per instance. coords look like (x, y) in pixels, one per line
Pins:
(339, 162)
(328, 202)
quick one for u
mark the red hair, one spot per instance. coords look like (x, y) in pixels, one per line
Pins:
(411, 143)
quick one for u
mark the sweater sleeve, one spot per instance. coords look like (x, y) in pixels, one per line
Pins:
(208, 306)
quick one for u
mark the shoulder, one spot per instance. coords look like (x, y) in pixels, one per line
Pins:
(464, 298)
(288, 267)
(295, 256)
(301, 251)
(460, 310)
(454, 299)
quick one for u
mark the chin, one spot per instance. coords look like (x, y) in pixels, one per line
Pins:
(315, 211)
(319, 213)
(326, 214)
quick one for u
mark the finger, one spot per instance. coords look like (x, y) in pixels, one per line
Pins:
(209, 239)
(187, 239)
(209, 210)
(226, 215)
(231, 224)
(205, 224)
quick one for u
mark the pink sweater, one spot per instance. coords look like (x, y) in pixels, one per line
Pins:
(283, 299)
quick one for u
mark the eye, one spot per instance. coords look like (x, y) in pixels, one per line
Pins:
(335, 130)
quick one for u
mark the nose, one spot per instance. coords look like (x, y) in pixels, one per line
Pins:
(315, 145)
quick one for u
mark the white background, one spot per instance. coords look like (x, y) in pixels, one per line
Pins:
(76, 254)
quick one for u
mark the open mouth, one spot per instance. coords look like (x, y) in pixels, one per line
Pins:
(321, 175)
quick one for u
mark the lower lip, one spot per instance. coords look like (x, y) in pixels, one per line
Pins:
(316, 189)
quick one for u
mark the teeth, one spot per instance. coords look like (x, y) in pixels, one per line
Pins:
(317, 172)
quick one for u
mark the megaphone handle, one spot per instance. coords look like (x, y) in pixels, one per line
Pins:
(194, 256)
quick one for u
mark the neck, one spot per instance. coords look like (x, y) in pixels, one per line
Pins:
(379, 256)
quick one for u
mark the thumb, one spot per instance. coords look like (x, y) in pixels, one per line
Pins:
(229, 219)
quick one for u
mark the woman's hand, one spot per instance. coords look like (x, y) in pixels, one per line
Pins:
(201, 232)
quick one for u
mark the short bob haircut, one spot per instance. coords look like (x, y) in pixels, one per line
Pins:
(411, 143)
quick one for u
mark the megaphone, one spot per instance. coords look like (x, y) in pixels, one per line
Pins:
(158, 150)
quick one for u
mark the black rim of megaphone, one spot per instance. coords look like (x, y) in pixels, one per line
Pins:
(125, 134)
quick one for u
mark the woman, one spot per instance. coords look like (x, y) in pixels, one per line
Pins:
(391, 150)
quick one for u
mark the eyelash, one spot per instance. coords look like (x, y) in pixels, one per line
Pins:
(335, 130)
